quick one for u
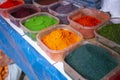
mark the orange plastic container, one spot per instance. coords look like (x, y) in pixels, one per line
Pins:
(87, 32)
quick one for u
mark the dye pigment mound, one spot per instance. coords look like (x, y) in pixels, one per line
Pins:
(65, 9)
(10, 3)
(59, 39)
(87, 21)
(92, 62)
(39, 22)
(111, 32)
(23, 12)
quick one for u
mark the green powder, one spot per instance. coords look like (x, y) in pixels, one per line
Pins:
(111, 32)
(92, 62)
(40, 22)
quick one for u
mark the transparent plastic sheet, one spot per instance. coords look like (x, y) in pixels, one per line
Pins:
(35, 66)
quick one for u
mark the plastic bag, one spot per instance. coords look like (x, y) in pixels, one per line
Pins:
(111, 6)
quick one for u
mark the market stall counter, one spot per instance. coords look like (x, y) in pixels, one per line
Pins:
(34, 64)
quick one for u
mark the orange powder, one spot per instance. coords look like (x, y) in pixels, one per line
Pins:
(60, 39)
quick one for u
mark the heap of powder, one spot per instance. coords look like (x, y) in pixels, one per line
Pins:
(10, 3)
(59, 39)
(65, 9)
(90, 61)
(88, 21)
(23, 12)
(111, 32)
(39, 22)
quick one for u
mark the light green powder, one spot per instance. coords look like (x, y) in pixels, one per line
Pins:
(39, 22)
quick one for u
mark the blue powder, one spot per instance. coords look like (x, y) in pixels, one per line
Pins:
(92, 62)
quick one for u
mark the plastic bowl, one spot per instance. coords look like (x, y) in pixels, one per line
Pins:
(57, 55)
(78, 76)
(87, 32)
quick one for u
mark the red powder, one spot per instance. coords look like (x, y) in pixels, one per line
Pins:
(10, 3)
(87, 21)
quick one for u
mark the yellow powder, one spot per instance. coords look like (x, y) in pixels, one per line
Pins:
(60, 39)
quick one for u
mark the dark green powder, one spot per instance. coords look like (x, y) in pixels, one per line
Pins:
(111, 32)
(92, 62)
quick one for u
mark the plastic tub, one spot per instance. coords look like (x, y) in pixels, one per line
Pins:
(107, 41)
(62, 9)
(58, 55)
(32, 33)
(3, 11)
(44, 4)
(84, 74)
(87, 31)
(20, 12)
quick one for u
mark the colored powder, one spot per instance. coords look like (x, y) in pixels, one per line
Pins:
(39, 22)
(23, 12)
(10, 3)
(116, 76)
(60, 39)
(64, 9)
(111, 32)
(88, 21)
(45, 2)
(90, 61)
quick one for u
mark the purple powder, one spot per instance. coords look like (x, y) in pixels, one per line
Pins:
(64, 9)
(23, 12)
